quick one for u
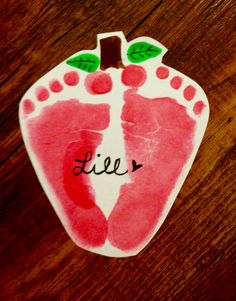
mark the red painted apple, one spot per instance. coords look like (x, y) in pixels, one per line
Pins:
(112, 134)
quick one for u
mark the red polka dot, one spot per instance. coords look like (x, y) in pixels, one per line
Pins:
(71, 78)
(55, 86)
(98, 83)
(133, 76)
(42, 93)
(176, 82)
(198, 107)
(189, 92)
(162, 72)
(28, 106)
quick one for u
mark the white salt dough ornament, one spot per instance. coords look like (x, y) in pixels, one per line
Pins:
(112, 134)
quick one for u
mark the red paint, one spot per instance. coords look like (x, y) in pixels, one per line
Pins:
(159, 134)
(189, 92)
(28, 106)
(71, 78)
(198, 107)
(133, 76)
(55, 86)
(78, 188)
(56, 136)
(98, 83)
(42, 93)
(162, 72)
(89, 226)
(176, 82)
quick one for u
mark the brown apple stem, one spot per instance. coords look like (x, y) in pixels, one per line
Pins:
(111, 53)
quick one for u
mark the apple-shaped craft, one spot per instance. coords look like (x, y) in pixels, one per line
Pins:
(112, 134)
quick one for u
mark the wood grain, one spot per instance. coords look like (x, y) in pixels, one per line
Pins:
(192, 257)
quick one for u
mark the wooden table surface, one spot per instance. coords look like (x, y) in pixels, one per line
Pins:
(193, 254)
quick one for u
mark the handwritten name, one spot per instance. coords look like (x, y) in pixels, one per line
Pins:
(82, 166)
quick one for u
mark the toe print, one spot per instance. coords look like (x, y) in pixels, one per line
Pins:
(28, 106)
(71, 78)
(98, 83)
(133, 76)
(176, 82)
(162, 72)
(55, 86)
(189, 92)
(111, 157)
(42, 93)
(198, 107)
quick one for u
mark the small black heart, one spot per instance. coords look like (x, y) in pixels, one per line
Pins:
(135, 165)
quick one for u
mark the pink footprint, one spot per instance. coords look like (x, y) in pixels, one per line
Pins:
(56, 136)
(159, 133)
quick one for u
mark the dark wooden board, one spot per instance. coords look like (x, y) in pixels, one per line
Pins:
(192, 257)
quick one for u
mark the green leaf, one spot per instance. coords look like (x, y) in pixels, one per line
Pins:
(142, 51)
(87, 62)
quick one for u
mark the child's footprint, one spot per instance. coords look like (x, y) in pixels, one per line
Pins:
(54, 133)
(160, 133)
